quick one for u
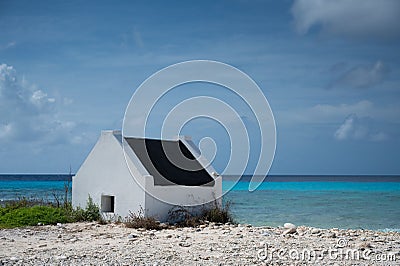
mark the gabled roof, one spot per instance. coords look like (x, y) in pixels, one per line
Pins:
(170, 162)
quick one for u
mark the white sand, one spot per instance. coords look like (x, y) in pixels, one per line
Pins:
(94, 244)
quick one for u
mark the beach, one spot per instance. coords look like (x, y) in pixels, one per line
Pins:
(208, 244)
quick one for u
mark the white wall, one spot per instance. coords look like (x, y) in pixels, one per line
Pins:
(105, 172)
(191, 197)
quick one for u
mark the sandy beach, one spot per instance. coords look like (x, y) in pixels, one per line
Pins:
(212, 244)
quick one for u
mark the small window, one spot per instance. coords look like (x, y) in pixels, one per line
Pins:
(107, 203)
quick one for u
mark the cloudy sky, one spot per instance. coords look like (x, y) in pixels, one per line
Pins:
(329, 69)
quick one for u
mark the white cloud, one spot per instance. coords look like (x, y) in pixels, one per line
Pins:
(40, 99)
(8, 45)
(327, 113)
(28, 114)
(362, 120)
(5, 130)
(334, 113)
(351, 18)
(362, 76)
(357, 128)
(326, 110)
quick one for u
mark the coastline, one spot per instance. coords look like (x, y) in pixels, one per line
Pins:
(212, 244)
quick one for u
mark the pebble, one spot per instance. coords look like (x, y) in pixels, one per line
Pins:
(315, 231)
(331, 235)
(61, 257)
(289, 231)
(183, 244)
(289, 226)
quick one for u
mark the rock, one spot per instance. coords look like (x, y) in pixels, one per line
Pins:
(289, 231)
(289, 226)
(59, 236)
(315, 231)
(39, 224)
(62, 257)
(331, 235)
(132, 236)
(164, 225)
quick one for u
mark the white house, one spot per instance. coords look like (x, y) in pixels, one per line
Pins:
(153, 175)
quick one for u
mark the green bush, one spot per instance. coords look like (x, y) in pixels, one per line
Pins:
(90, 213)
(29, 213)
(24, 216)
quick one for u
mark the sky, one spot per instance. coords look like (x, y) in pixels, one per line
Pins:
(329, 69)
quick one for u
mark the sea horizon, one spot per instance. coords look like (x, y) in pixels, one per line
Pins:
(230, 177)
(325, 201)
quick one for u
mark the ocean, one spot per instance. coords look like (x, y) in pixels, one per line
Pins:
(367, 202)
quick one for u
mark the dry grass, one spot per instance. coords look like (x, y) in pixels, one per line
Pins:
(182, 217)
(139, 220)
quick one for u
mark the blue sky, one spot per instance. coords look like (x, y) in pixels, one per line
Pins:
(330, 70)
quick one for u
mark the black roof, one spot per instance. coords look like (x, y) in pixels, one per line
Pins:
(170, 162)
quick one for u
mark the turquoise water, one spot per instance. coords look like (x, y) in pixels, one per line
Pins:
(368, 205)
(42, 187)
(349, 203)
(43, 190)
(316, 186)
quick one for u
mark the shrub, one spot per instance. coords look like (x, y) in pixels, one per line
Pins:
(25, 216)
(138, 220)
(217, 214)
(182, 217)
(90, 213)
(24, 212)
